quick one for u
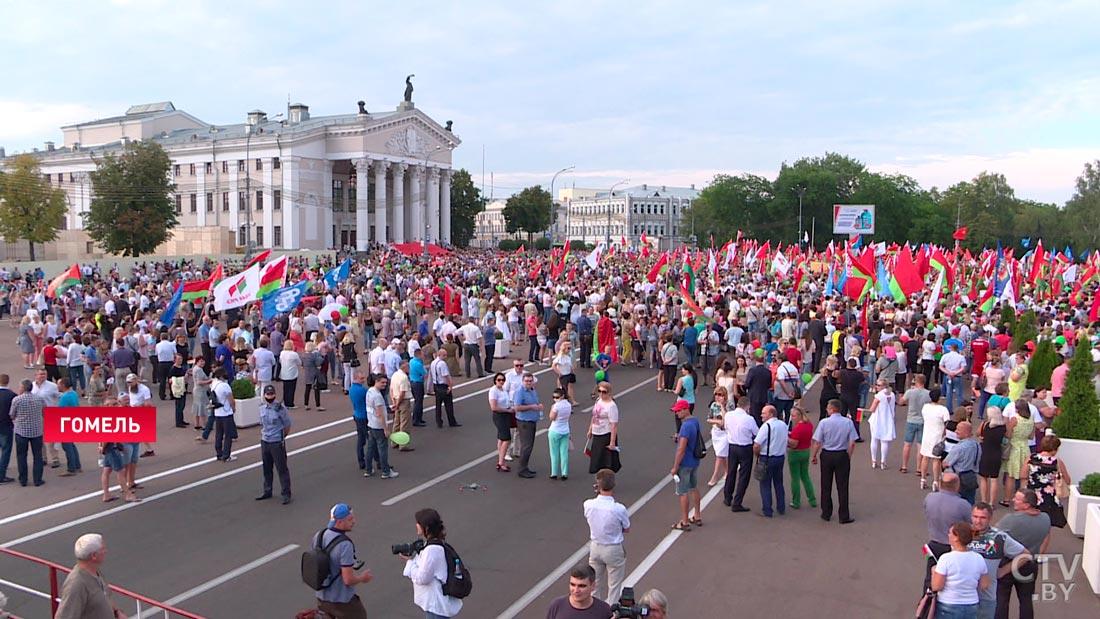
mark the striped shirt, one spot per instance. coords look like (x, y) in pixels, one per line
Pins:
(26, 414)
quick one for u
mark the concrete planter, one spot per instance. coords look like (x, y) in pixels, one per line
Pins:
(1090, 557)
(1080, 457)
(1077, 509)
(247, 413)
(503, 349)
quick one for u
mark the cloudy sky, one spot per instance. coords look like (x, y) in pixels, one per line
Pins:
(659, 92)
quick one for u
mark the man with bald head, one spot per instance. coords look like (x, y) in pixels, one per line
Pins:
(963, 460)
(941, 510)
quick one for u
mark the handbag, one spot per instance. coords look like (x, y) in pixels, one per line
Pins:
(1061, 488)
(939, 449)
(926, 608)
(760, 467)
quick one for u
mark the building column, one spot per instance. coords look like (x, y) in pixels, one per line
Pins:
(415, 207)
(399, 202)
(445, 192)
(235, 204)
(327, 240)
(380, 167)
(290, 203)
(434, 230)
(269, 204)
(362, 217)
(200, 189)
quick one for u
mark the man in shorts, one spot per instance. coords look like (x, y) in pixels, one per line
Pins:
(914, 399)
(685, 465)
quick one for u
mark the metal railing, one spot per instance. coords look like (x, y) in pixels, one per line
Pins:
(145, 607)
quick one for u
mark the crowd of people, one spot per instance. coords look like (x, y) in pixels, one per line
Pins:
(400, 329)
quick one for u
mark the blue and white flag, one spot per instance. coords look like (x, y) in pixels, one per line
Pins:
(339, 274)
(173, 306)
(284, 300)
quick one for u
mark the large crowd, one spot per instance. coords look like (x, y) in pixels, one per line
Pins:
(397, 329)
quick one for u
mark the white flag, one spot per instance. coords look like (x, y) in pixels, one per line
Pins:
(781, 264)
(593, 259)
(237, 290)
(934, 298)
(1069, 276)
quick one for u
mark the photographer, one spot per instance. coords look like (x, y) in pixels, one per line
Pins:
(338, 599)
(427, 568)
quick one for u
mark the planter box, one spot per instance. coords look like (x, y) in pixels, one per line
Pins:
(1080, 457)
(1077, 509)
(247, 413)
(1090, 557)
(503, 349)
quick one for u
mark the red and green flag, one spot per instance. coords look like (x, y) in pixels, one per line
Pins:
(862, 275)
(906, 279)
(202, 288)
(260, 257)
(69, 277)
(272, 277)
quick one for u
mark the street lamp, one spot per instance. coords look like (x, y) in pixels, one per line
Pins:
(610, 195)
(554, 178)
(801, 191)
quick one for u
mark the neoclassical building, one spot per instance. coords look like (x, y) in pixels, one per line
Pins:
(293, 181)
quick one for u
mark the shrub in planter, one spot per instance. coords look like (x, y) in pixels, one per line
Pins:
(508, 245)
(1042, 365)
(542, 243)
(243, 389)
(1090, 485)
(576, 245)
(1080, 418)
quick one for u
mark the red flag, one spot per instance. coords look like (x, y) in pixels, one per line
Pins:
(656, 270)
(68, 278)
(622, 241)
(572, 274)
(863, 319)
(1094, 312)
(521, 248)
(644, 241)
(534, 274)
(260, 257)
(960, 234)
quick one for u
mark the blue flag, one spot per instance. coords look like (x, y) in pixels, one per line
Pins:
(1026, 242)
(173, 306)
(285, 299)
(339, 274)
(859, 242)
(830, 283)
(1084, 255)
(883, 280)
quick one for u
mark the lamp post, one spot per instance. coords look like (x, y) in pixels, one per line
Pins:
(554, 178)
(610, 195)
(801, 191)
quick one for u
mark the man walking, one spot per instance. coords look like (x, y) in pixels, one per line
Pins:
(84, 593)
(758, 382)
(472, 338)
(69, 399)
(338, 599)
(963, 460)
(1002, 555)
(834, 441)
(165, 351)
(608, 521)
(378, 433)
(442, 385)
(224, 405)
(275, 426)
(740, 432)
(771, 445)
(7, 437)
(401, 400)
(953, 366)
(685, 466)
(28, 427)
(528, 412)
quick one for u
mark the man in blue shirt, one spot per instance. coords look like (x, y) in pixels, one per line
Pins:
(416, 379)
(528, 412)
(339, 599)
(358, 396)
(72, 456)
(835, 440)
(685, 465)
(584, 332)
(275, 424)
(691, 342)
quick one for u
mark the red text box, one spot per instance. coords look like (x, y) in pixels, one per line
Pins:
(98, 424)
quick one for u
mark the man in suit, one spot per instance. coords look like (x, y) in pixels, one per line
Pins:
(816, 332)
(758, 382)
(7, 428)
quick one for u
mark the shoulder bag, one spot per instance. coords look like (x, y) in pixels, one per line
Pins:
(760, 467)
(1061, 488)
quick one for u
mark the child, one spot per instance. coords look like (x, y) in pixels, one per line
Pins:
(603, 364)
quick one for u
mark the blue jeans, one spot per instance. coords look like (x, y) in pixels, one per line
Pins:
(361, 438)
(37, 461)
(982, 403)
(956, 611)
(774, 480)
(952, 391)
(783, 408)
(7, 441)
(378, 448)
(692, 352)
(72, 457)
(76, 377)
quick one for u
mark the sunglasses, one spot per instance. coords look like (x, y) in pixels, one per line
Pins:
(499, 380)
(603, 391)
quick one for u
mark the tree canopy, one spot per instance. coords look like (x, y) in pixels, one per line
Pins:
(530, 210)
(466, 203)
(30, 208)
(132, 210)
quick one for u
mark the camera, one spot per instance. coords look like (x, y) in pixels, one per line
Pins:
(408, 549)
(627, 608)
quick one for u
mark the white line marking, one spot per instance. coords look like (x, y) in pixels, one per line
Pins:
(476, 461)
(670, 539)
(196, 464)
(194, 484)
(224, 578)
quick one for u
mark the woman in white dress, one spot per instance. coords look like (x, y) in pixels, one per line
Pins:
(882, 422)
(935, 417)
(719, 442)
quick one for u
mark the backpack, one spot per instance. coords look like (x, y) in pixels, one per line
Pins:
(458, 583)
(700, 450)
(316, 562)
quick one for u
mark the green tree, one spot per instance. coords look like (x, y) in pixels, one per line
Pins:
(466, 203)
(1080, 418)
(727, 205)
(1083, 209)
(132, 211)
(1042, 364)
(530, 210)
(824, 181)
(1026, 329)
(987, 206)
(1008, 317)
(30, 209)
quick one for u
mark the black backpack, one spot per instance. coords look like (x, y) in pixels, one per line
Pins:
(458, 583)
(316, 563)
(700, 450)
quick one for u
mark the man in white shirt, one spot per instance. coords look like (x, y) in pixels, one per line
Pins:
(263, 359)
(376, 360)
(953, 365)
(608, 521)
(221, 394)
(771, 446)
(378, 433)
(442, 384)
(740, 431)
(165, 351)
(472, 338)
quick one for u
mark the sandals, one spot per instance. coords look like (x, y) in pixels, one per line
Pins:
(681, 526)
(108, 500)
(697, 522)
(1005, 504)
(903, 470)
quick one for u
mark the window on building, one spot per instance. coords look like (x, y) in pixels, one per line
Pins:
(662, 209)
(179, 204)
(49, 179)
(259, 164)
(241, 200)
(240, 236)
(277, 236)
(89, 247)
(337, 196)
(176, 169)
(225, 201)
(209, 202)
(275, 165)
(276, 202)
(260, 236)
(72, 177)
(194, 203)
(259, 200)
(192, 167)
(225, 167)
(240, 168)
(209, 167)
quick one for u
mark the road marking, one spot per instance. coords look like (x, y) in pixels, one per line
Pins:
(554, 577)
(220, 580)
(194, 484)
(666, 543)
(198, 463)
(485, 458)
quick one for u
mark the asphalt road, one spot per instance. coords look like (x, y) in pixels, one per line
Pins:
(201, 540)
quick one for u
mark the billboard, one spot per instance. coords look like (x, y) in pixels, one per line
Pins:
(853, 219)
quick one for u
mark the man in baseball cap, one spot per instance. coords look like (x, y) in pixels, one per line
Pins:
(339, 599)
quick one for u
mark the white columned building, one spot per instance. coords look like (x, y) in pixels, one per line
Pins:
(302, 171)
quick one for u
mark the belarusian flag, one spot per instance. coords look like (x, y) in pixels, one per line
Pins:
(201, 288)
(906, 279)
(68, 278)
(272, 277)
(260, 257)
(658, 268)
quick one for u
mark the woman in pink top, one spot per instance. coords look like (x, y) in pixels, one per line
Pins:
(993, 375)
(1058, 379)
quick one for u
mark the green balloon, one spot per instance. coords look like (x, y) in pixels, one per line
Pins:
(806, 378)
(1060, 340)
(600, 375)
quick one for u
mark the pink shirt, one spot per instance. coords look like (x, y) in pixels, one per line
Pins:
(1058, 380)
